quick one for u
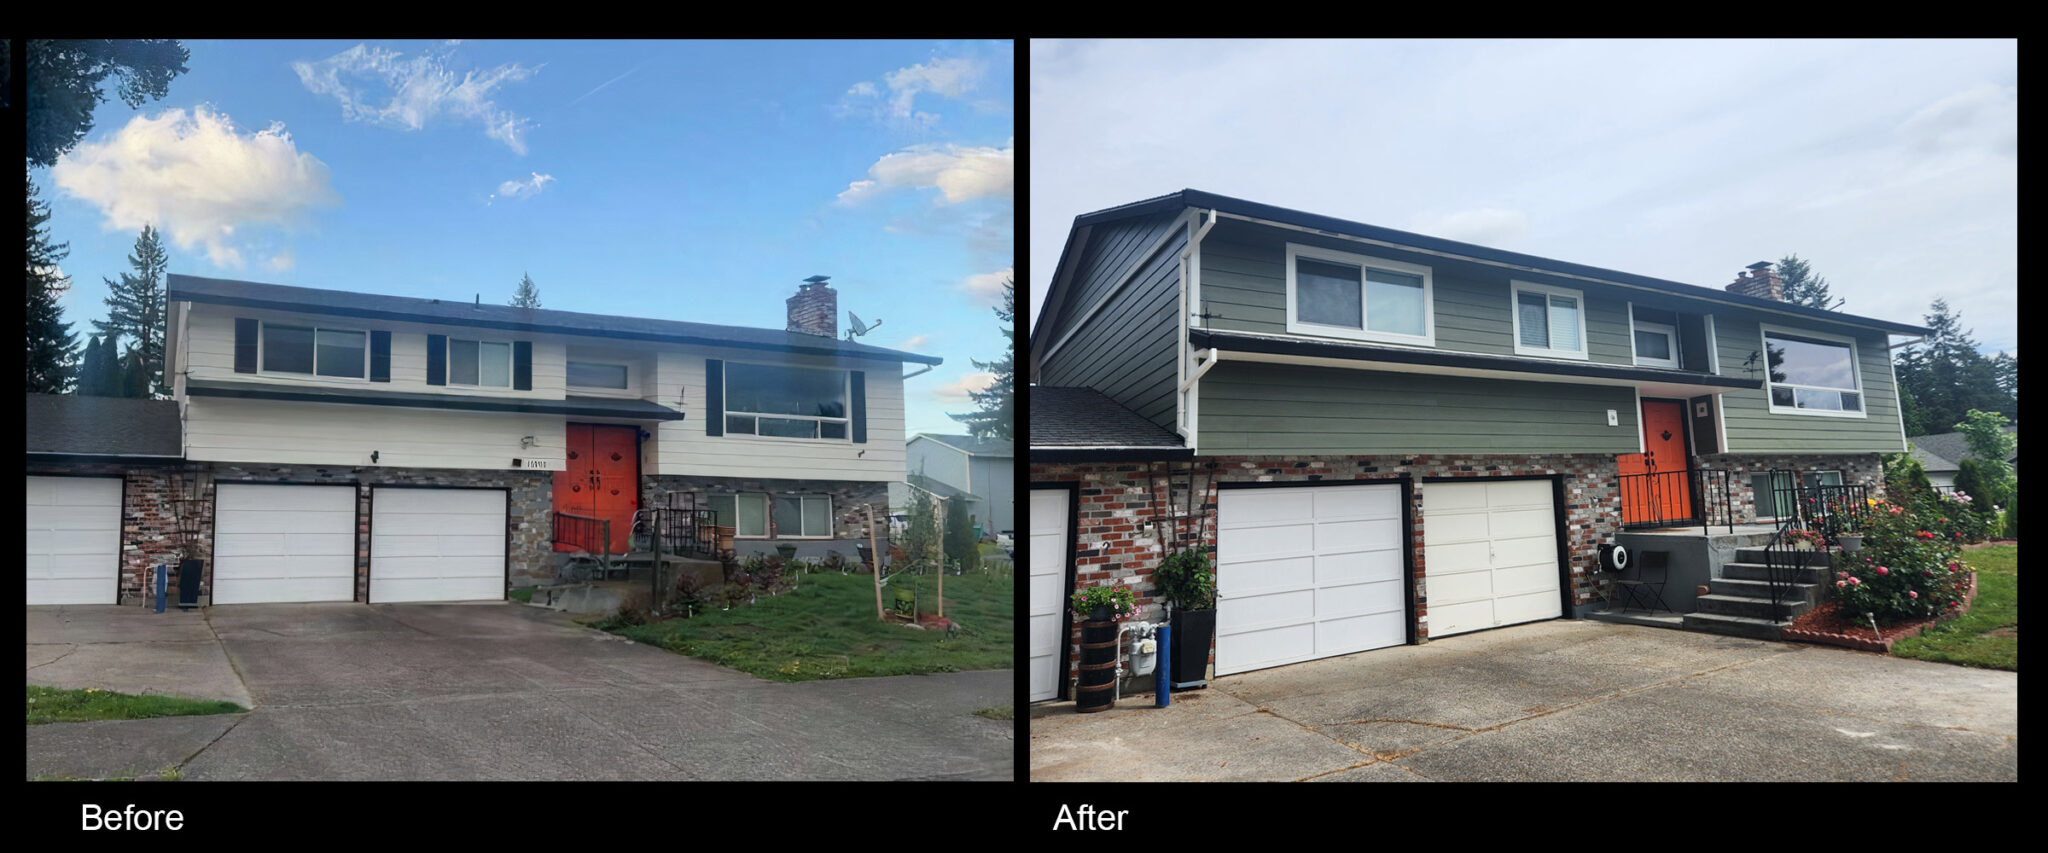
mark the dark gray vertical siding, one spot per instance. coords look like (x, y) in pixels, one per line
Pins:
(1127, 349)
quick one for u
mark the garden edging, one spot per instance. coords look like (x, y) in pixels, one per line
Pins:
(1867, 644)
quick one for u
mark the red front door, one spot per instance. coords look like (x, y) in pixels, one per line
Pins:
(600, 479)
(1665, 495)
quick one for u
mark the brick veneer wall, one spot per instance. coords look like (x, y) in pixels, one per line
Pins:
(1865, 469)
(849, 522)
(149, 532)
(1116, 539)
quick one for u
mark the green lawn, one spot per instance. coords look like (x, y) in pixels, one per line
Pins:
(524, 593)
(51, 705)
(826, 628)
(1989, 635)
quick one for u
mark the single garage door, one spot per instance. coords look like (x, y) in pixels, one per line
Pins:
(277, 543)
(74, 540)
(1306, 572)
(1049, 551)
(1490, 554)
(437, 545)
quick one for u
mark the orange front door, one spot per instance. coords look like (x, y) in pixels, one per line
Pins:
(1664, 495)
(601, 479)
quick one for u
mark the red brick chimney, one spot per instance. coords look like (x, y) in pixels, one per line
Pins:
(1761, 282)
(814, 310)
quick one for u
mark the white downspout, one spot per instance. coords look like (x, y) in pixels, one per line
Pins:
(1189, 396)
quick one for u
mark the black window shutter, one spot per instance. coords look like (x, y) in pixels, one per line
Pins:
(522, 365)
(380, 356)
(437, 359)
(245, 345)
(860, 407)
(714, 396)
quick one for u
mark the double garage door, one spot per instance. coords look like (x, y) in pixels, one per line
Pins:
(293, 543)
(1308, 572)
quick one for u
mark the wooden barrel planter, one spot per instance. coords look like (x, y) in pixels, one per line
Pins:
(1098, 668)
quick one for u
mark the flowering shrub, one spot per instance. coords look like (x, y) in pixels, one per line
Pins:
(1122, 602)
(1910, 566)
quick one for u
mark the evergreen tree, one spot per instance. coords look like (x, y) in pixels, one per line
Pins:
(996, 417)
(528, 295)
(135, 306)
(63, 82)
(92, 370)
(1802, 287)
(1909, 411)
(52, 347)
(134, 374)
(1947, 376)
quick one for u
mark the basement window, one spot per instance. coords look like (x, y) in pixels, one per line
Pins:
(803, 517)
(747, 514)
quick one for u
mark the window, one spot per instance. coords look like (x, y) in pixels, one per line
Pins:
(785, 402)
(1655, 336)
(1549, 321)
(1337, 294)
(587, 374)
(482, 363)
(1812, 374)
(316, 352)
(807, 516)
(1776, 501)
(746, 514)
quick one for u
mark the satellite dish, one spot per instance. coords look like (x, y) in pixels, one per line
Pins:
(856, 327)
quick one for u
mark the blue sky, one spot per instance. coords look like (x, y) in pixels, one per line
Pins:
(682, 180)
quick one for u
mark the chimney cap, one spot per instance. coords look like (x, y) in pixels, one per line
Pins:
(1760, 266)
(817, 279)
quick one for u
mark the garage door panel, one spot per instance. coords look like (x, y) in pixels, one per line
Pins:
(390, 569)
(269, 590)
(445, 546)
(1250, 578)
(1308, 572)
(1265, 505)
(1342, 502)
(1461, 556)
(285, 498)
(1460, 497)
(1050, 551)
(1357, 599)
(1360, 633)
(1356, 535)
(1541, 577)
(437, 545)
(1448, 619)
(1528, 607)
(1517, 523)
(1451, 527)
(1259, 612)
(319, 544)
(1267, 647)
(1270, 540)
(1459, 587)
(1532, 493)
(310, 568)
(1358, 567)
(1045, 635)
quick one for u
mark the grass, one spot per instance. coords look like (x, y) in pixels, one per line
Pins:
(999, 712)
(990, 549)
(523, 595)
(51, 705)
(827, 629)
(168, 773)
(1989, 635)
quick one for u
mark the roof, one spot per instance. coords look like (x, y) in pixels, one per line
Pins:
(1189, 198)
(1945, 451)
(1083, 424)
(279, 297)
(69, 424)
(998, 447)
(939, 488)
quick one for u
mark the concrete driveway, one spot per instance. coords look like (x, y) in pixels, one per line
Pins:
(1558, 701)
(482, 691)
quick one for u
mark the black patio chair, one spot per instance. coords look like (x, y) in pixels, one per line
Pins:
(1647, 588)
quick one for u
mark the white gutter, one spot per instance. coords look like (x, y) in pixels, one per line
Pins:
(927, 369)
(1890, 347)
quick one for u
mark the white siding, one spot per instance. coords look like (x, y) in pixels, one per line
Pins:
(686, 450)
(234, 430)
(210, 338)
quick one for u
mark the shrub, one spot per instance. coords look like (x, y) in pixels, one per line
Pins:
(960, 544)
(1906, 570)
(1123, 603)
(1185, 580)
(684, 597)
(1976, 478)
(2012, 518)
(1905, 479)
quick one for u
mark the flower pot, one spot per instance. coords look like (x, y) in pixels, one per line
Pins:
(1102, 613)
(725, 535)
(1193, 631)
(1851, 541)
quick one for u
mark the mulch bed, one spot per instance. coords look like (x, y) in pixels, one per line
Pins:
(1828, 625)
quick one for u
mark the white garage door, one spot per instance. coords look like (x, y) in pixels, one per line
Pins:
(1490, 554)
(284, 543)
(1049, 549)
(74, 540)
(1307, 572)
(437, 545)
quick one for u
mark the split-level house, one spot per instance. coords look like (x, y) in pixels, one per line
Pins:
(365, 447)
(1387, 437)
(984, 470)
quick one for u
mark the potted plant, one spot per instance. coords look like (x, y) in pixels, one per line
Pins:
(1105, 603)
(1188, 583)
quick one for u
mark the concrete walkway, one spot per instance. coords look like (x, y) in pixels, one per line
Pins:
(482, 691)
(1558, 701)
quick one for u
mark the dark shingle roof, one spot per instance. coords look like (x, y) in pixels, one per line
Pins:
(977, 446)
(1084, 418)
(938, 487)
(103, 426)
(1945, 451)
(279, 297)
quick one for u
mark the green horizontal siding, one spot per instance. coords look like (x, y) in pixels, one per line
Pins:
(1271, 408)
(1753, 428)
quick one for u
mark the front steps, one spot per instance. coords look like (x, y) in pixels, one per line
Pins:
(1739, 603)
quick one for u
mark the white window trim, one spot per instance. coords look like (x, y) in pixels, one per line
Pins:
(448, 360)
(1515, 291)
(800, 512)
(1855, 369)
(618, 364)
(725, 386)
(1670, 333)
(1300, 327)
(767, 510)
(262, 351)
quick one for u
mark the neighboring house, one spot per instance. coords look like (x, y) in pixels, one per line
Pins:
(101, 471)
(1942, 456)
(1397, 437)
(982, 468)
(381, 448)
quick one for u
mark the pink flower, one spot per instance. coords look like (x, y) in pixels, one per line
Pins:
(1841, 583)
(1883, 571)
(1843, 575)
(1912, 594)
(1856, 581)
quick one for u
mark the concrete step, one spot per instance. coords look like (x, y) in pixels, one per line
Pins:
(1755, 608)
(1734, 626)
(1760, 572)
(1810, 592)
(1810, 558)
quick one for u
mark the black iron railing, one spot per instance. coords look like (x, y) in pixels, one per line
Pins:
(683, 526)
(1817, 515)
(1699, 496)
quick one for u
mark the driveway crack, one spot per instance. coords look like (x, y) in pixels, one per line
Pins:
(74, 648)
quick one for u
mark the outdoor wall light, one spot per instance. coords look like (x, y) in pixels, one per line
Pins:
(527, 442)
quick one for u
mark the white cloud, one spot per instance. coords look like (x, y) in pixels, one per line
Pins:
(913, 342)
(63, 279)
(378, 85)
(988, 286)
(959, 173)
(197, 178)
(949, 78)
(862, 89)
(1486, 226)
(283, 260)
(960, 388)
(523, 189)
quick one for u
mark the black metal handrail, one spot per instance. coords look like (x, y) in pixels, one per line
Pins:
(1709, 498)
(1830, 511)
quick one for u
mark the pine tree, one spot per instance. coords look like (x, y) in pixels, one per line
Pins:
(528, 295)
(134, 374)
(52, 347)
(996, 417)
(135, 305)
(1802, 287)
(92, 370)
(64, 79)
(1947, 375)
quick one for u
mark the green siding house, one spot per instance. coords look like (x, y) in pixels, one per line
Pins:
(1387, 437)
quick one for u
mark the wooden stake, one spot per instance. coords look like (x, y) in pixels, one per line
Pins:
(875, 549)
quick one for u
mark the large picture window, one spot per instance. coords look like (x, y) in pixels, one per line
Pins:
(1549, 321)
(806, 516)
(747, 514)
(315, 352)
(785, 402)
(1812, 374)
(1338, 294)
(483, 363)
